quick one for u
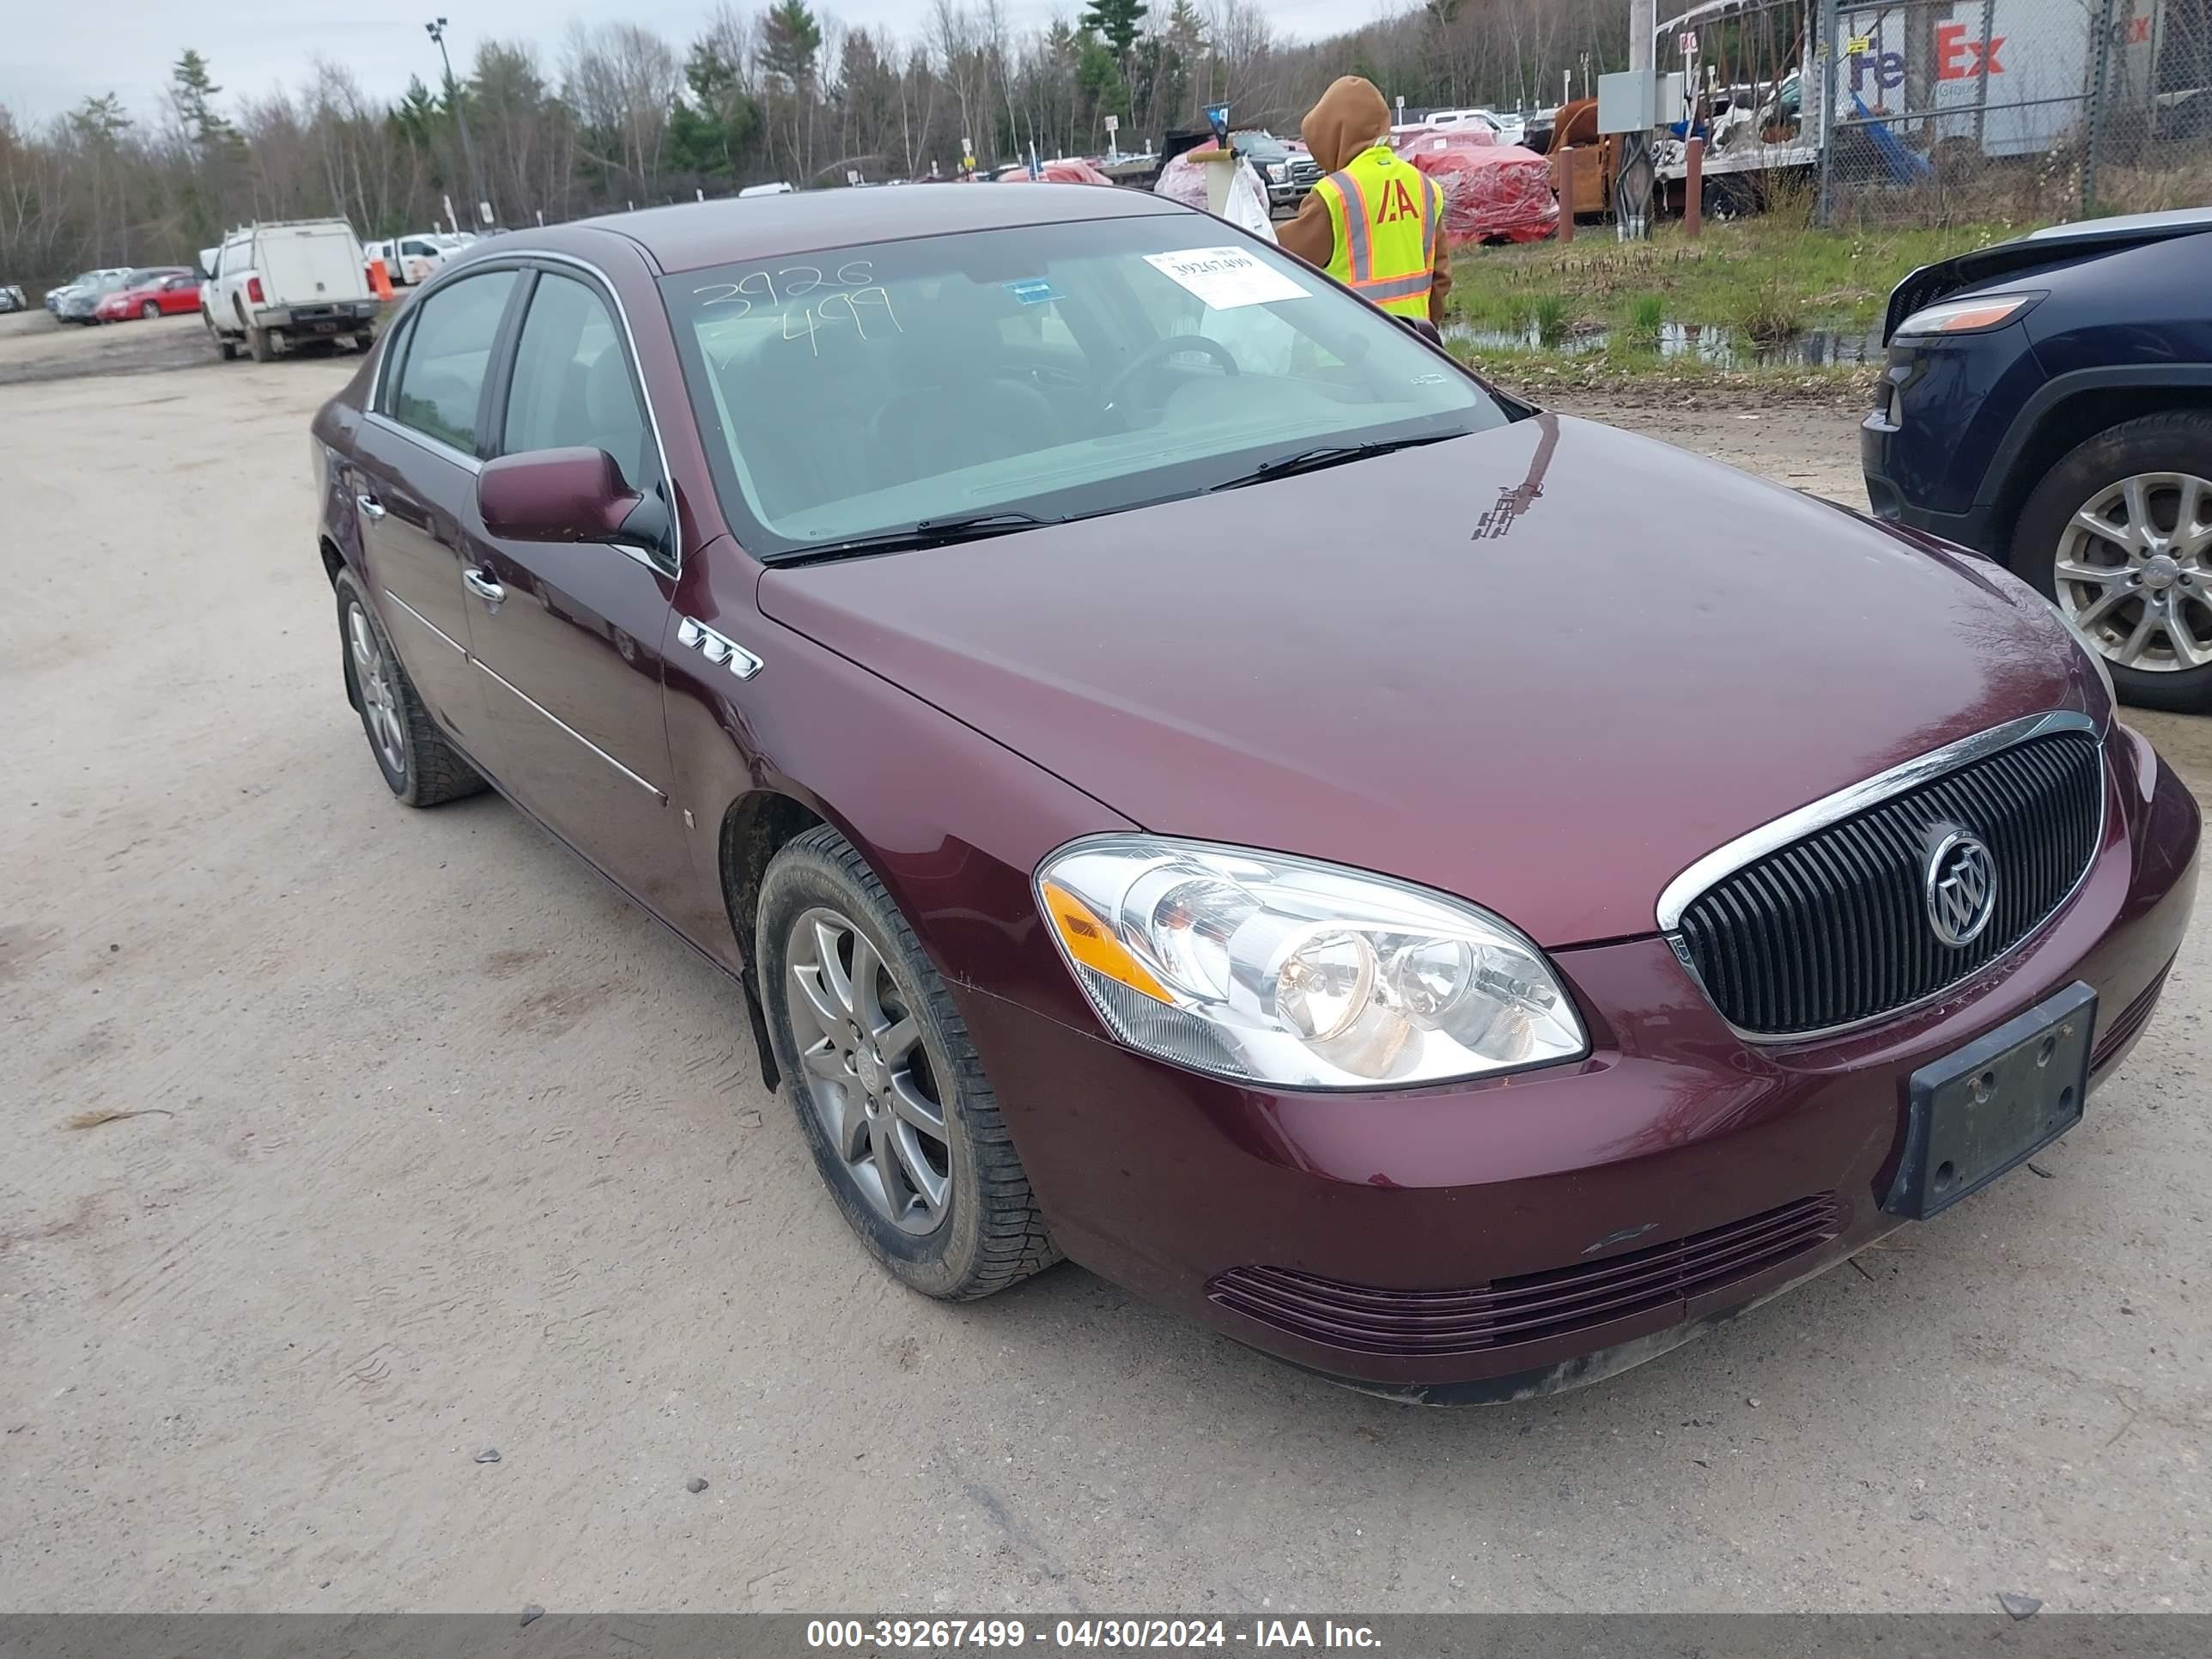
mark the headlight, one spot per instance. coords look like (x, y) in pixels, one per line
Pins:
(1269, 969)
(1278, 172)
(1967, 316)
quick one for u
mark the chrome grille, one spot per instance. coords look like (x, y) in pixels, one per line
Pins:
(1832, 929)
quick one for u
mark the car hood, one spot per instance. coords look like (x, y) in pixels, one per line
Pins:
(2026, 258)
(1544, 667)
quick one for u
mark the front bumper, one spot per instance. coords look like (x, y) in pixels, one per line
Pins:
(1891, 500)
(1674, 1136)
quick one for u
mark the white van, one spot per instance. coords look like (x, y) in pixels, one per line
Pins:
(284, 281)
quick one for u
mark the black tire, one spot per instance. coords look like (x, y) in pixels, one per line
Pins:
(423, 769)
(149, 311)
(991, 1235)
(262, 344)
(2175, 440)
(225, 348)
(364, 342)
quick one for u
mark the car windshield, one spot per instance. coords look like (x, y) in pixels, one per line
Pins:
(1054, 371)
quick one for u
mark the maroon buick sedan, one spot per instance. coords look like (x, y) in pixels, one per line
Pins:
(1190, 779)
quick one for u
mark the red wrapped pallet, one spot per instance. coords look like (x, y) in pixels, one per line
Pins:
(1070, 171)
(1493, 192)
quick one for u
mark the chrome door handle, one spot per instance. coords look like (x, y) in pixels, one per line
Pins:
(483, 585)
(370, 506)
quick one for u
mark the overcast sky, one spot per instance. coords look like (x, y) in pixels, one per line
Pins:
(54, 53)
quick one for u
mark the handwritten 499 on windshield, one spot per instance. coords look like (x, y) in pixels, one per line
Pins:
(850, 289)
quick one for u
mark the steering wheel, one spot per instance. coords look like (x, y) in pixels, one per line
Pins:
(1159, 351)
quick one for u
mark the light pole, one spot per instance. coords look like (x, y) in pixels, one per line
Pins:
(437, 32)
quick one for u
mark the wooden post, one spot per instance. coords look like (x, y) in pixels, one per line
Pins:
(1693, 188)
(1563, 183)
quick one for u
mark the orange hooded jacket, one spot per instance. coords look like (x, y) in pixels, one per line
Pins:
(1351, 117)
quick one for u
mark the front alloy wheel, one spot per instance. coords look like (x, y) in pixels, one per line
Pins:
(2119, 535)
(865, 1073)
(883, 1080)
(2133, 571)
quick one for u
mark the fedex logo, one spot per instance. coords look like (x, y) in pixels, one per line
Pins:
(1962, 57)
(1959, 56)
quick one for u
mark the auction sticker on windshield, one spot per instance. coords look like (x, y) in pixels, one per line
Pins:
(1226, 277)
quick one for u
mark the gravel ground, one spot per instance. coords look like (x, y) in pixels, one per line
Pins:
(419, 1142)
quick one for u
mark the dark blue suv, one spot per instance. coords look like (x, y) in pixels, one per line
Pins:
(2048, 401)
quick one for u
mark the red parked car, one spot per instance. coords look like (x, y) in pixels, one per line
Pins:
(161, 291)
(1191, 779)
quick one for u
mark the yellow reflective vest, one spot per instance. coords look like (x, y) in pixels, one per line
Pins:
(1386, 214)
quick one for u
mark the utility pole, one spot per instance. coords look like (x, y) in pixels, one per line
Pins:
(437, 32)
(1633, 189)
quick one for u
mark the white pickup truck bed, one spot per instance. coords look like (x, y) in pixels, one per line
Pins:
(282, 282)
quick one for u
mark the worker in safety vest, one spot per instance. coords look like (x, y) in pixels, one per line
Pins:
(1374, 222)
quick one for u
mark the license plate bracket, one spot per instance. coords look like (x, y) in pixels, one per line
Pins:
(1995, 1103)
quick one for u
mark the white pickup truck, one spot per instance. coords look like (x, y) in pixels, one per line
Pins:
(285, 281)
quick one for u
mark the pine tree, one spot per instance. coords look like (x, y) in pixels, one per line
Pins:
(790, 37)
(1117, 22)
(193, 90)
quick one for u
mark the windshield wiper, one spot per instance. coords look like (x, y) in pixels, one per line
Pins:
(1313, 460)
(925, 533)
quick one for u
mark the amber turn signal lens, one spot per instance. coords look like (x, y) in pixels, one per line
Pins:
(1088, 940)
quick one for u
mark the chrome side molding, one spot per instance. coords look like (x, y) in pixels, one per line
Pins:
(716, 648)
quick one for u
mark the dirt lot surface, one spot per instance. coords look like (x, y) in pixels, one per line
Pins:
(34, 347)
(426, 1143)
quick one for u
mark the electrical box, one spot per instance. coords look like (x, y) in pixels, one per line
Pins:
(1627, 101)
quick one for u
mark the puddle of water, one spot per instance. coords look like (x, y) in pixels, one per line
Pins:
(1720, 346)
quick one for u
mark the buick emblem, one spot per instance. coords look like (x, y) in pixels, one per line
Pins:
(1961, 887)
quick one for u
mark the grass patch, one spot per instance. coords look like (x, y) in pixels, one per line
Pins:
(1770, 273)
(1645, 313)
(1628, 364)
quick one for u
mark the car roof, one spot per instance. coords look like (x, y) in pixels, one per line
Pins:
(692, 234)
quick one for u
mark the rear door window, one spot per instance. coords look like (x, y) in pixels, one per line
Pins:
(448, 354)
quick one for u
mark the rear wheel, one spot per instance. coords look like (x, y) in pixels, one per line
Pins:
(419, 766)
(262, 344)
(888, 1092)
(2119, 536)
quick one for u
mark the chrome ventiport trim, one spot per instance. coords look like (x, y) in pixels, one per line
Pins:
(717, 648)
(654, 790)
(1771, 837)
(426, 622)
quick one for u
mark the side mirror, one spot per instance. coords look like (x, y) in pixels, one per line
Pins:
(566, 495)
(1420, 325)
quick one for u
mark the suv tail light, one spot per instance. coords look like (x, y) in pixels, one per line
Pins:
(253, 290)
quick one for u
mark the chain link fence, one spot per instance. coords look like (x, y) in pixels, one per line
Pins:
(1929, 112)
(1940, 110)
